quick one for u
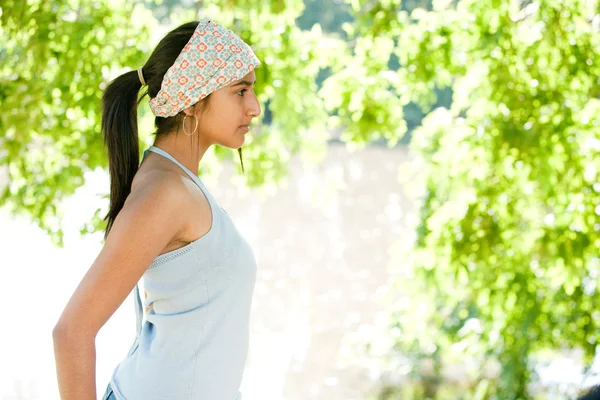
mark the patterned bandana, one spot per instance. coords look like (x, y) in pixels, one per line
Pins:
(213, 58)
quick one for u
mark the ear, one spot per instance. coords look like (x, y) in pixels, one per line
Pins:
(190, 111)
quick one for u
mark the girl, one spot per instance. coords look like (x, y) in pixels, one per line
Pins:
(165, 226)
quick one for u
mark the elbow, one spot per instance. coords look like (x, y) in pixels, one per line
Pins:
(71, 333)
(63, 329)
(60, 328)
(58, 332)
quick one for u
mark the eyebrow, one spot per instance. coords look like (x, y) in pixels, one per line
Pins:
(243, 83)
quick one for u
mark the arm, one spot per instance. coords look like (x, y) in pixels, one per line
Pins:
(149, 220)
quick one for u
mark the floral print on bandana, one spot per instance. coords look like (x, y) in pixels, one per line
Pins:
(213, 58)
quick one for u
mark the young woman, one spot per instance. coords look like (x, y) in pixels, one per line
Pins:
(165, 226)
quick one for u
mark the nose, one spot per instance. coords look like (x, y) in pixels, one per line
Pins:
(254, 110)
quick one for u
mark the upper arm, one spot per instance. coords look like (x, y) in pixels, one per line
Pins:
(148, 221)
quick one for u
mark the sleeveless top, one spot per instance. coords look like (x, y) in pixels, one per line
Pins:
(194, 342)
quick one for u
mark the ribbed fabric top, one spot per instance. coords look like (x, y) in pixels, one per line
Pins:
(194, 342)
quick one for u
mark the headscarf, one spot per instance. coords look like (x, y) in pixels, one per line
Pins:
(214, 57)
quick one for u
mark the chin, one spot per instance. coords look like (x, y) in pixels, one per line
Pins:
(235, 142)
(233, 146)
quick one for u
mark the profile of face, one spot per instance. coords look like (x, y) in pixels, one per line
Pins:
(230, 111)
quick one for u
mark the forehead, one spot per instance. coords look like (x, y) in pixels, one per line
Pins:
(249, 77)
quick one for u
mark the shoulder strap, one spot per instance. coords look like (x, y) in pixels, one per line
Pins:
(163, 153)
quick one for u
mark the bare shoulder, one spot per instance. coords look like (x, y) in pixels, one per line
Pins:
(155, 182)
(149, 220)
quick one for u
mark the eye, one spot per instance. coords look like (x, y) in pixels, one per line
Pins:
(242, 91)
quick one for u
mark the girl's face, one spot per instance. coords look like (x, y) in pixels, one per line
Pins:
(229, 113)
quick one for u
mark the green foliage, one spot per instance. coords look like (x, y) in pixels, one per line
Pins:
(505, 260)
(54, 58)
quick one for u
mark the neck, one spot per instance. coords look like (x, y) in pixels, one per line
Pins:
(186, 150)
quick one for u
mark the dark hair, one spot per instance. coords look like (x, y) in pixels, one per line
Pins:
(119, 116)
(592, 393)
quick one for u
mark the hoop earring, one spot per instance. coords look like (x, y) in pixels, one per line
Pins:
(183, 124)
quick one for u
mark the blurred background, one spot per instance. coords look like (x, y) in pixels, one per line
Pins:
(422, 191)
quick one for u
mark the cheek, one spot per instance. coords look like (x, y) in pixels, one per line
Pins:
(225, 113)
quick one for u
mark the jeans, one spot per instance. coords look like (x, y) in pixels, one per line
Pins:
(109, 395)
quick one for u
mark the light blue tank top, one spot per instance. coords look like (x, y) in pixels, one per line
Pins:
(194, 342)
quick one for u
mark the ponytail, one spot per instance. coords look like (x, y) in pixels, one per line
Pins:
(120, 128)
(119, 116)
